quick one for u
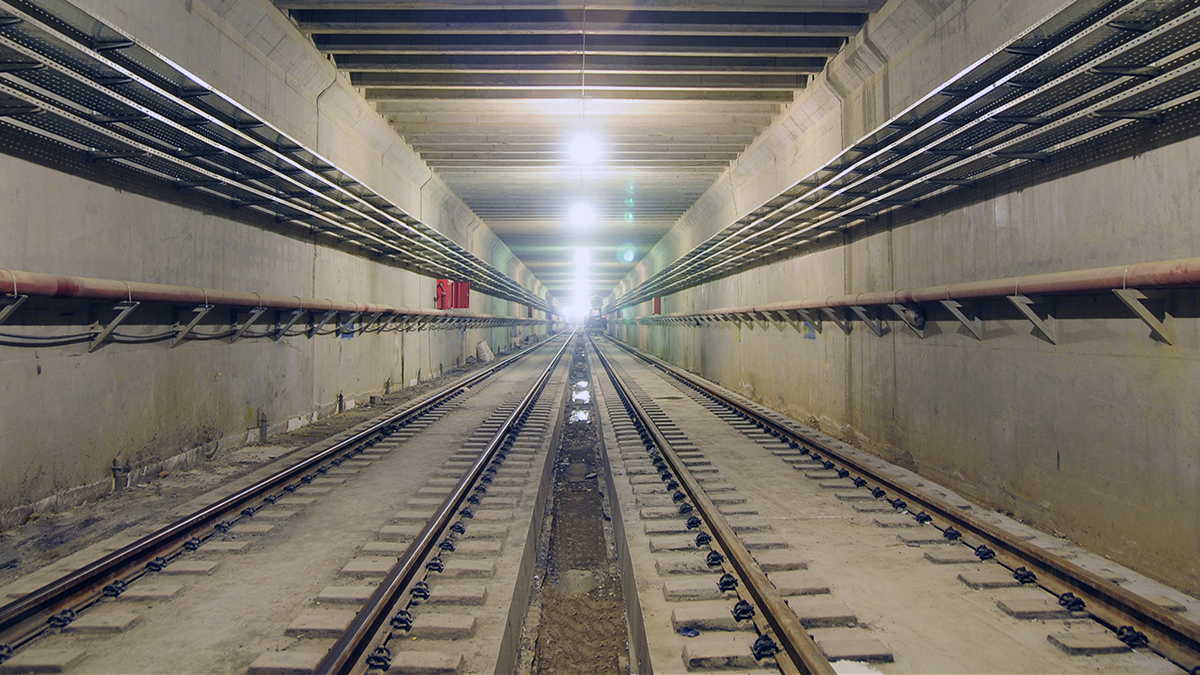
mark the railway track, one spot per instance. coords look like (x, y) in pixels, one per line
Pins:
(587, 508)
(241, 540)
(1098, 614)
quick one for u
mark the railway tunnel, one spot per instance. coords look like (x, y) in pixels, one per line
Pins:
(553, 336)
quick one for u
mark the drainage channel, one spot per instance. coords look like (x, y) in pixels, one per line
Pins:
(577, 617)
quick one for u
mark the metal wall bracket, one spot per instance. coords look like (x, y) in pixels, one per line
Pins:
(255, 315)
(346, 327)
(296, 314)
(911, 318)
(312, 332)
(11, 304)
(1045, 326)
(875, 323)
(777, 319)
(811, 319)
(201, 311)
(795, 322)
(841, 321)
(975, 325)
(1133, 299)
(125, 307)
(369, 322)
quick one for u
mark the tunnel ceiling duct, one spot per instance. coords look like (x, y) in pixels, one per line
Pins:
(495, 95)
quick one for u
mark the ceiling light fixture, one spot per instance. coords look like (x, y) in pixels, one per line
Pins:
(584, 150)
(582, 216)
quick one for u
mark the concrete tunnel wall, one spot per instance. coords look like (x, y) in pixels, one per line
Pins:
(1095, 438)
(66, 413)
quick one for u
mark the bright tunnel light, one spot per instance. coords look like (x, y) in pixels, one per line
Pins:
(580, 290)
(584, 150)
(582, 216)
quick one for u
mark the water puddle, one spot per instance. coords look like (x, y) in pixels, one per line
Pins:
(581, 416)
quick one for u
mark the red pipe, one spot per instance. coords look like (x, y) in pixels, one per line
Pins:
(1163, 274)
(56, 286)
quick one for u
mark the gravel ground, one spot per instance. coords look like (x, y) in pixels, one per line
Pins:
(47, 537)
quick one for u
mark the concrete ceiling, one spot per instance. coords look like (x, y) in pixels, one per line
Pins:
(491, 93)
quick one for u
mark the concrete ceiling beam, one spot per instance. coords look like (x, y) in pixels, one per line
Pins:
(572, 109)
(545, 122)
(618, 5)
(556, 142)
(574, 63)
(398, 93)
(518, 164)
(573, 43)
(572, 81)
(559, 156)
(526, 22)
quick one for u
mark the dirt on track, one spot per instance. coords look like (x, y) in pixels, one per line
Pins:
(582, 625)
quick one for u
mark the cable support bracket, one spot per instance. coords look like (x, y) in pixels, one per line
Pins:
(912, 318)
(125, 308)
(873, 319)
(973, 323)
(201, 311)
(836, 317)
(255, 314)
(1160, 329)
(11, 304)
(1046, 326)
(347, 326)
(316, 328)
(296, 314)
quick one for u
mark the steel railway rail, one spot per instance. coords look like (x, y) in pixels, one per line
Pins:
(1131, 616)
(799, 654)
(364, 642)
(59, 601)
